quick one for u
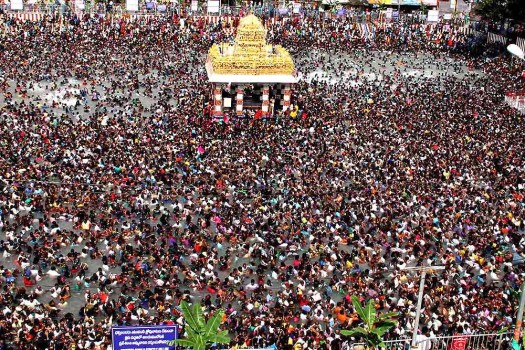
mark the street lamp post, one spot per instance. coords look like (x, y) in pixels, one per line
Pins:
(519, 318)
(423, 270)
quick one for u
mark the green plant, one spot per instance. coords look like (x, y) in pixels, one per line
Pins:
(423, 8)
(199, 332)
(499, 11)
(374, 326)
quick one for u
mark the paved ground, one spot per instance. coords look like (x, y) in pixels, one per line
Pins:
(352, 70)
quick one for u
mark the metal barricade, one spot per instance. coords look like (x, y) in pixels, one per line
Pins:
(469, 342)
(491, 341)
(516, 100)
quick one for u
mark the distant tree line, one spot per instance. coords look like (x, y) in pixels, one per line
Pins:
(501, 10)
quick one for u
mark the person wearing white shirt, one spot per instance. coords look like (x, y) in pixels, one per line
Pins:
(251, 286)
(53, 273)
(423, 341)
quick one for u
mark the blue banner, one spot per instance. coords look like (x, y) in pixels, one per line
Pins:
(411, 2)
(143, 337)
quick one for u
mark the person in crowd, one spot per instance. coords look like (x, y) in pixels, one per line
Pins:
(120, 197)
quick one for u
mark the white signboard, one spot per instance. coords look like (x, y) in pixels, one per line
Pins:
(79, 5)
(296, 7)
(447, 16)
(227, 102)
(433, 16)
(430, 2)
(214, 6)
(195, 5)
(17, 4)
(389, 13)
(132, 5)
(453, 4)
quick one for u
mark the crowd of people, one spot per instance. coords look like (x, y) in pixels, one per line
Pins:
(120, 196)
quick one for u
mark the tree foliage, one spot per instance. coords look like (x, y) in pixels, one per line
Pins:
(501, 10)
(199, 333)
(374, 326)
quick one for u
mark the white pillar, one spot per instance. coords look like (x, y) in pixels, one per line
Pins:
(217, 100)
(239, 100)
(265, 99)
(286, 97)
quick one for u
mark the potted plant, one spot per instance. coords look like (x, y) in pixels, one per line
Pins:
(201, 334)
(375, 325)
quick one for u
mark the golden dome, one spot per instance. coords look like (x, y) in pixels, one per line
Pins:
(250, 20)
(250, 54)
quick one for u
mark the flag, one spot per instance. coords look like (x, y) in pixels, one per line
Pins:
(458, 342)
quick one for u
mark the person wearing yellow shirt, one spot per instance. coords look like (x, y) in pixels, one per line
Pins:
(294, 112)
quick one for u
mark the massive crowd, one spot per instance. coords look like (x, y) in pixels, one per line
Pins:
(120, 196)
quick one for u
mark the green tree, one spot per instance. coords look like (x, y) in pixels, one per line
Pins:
(199, 333)
(499, 11)
(423, 8)
(375, 325)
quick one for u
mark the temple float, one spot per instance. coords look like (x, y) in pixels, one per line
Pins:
(259, 74)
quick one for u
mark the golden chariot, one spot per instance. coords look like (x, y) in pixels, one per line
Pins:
(251, 72)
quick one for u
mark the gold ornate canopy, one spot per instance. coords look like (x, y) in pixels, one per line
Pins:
(250, 55)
